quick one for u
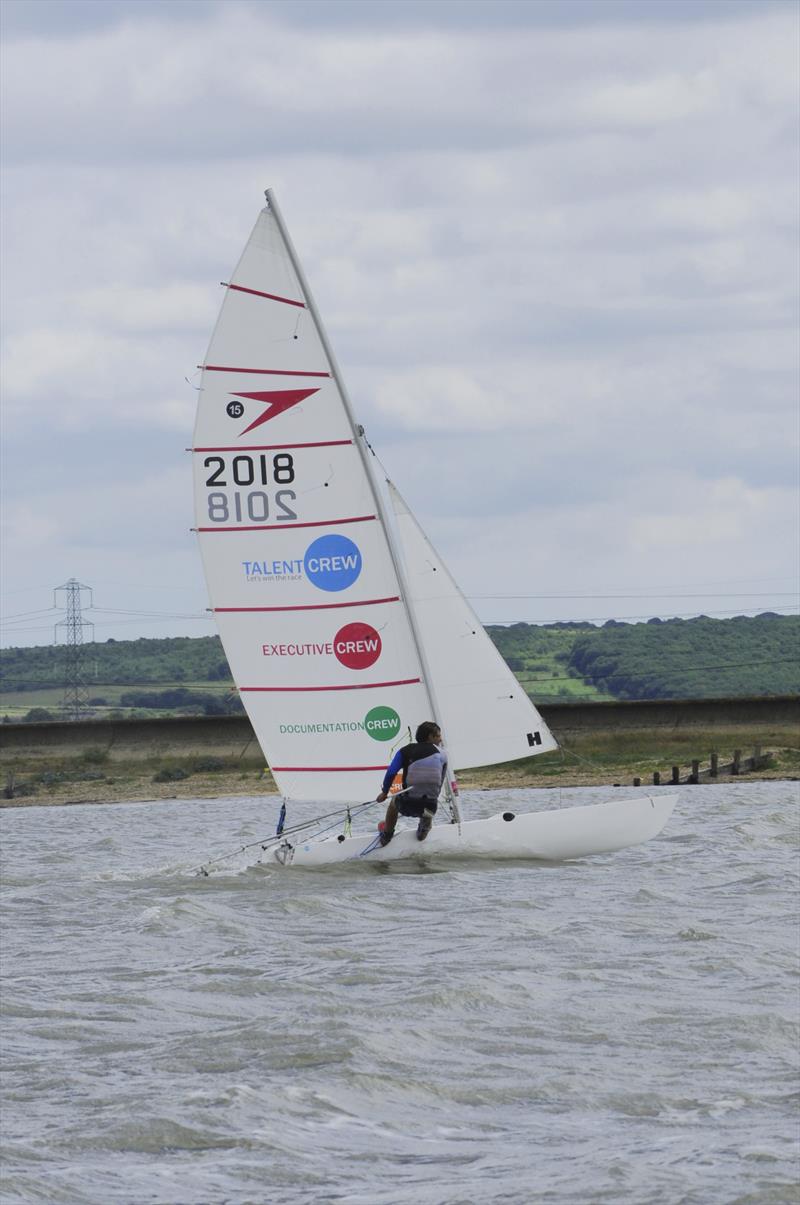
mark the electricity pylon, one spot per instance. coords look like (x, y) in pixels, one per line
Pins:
(70, 628)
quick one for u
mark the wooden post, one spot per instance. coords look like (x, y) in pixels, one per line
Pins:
(757, 758)
(737, 761)
(695, 774)
(714, 765)
(656, 778)
(676, 775)
(637, 782)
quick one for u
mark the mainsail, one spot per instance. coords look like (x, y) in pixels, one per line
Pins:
(333, 667)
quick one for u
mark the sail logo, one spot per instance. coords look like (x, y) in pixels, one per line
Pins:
(275, 401)
(330, 563)
(381, 723)
(273, 571)
(356, 646)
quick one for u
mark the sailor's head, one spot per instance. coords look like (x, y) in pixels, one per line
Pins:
(429, 732)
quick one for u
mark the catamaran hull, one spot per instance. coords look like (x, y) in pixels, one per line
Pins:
(551, 836)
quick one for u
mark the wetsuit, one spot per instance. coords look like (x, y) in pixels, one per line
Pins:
(424, 767)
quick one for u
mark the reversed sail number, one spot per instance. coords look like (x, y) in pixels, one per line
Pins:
(254, 505)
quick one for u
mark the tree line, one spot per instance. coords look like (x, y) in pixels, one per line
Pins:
(674, 658)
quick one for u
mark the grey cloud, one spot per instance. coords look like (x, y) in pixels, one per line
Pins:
(64, 18)
(561, 286)
(363, 91)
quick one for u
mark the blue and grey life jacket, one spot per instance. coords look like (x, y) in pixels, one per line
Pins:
(424, 768)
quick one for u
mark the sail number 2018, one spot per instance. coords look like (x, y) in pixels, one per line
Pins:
(226, 502)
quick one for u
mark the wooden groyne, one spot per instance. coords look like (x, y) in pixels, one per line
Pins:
(715, 769)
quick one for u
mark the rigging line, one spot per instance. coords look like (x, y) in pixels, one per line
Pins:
(274, 838)
(586, 761)
(265, 842)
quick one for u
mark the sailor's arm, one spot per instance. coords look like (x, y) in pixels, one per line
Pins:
(395, 766)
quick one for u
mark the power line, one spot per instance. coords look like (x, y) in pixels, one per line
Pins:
(29, 614)
(122, 623)
(519, 674)
(598, 619)
(689, 669)
(595, 597)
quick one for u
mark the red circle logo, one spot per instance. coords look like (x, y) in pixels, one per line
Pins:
(357, 645)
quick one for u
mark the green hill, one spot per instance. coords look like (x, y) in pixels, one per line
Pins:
(692, 659)
(540, 655)
(695, 658)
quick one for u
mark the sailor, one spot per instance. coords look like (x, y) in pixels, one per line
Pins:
(424, 765)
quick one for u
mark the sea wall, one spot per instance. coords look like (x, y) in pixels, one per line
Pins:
(232, 736)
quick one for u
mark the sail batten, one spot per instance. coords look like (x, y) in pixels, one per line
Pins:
(291, 526)
(269, 296)
(270, 372)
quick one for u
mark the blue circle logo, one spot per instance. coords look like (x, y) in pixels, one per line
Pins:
(332, 563)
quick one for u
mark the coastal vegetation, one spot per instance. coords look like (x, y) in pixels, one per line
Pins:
(569, 662)
(698, 658)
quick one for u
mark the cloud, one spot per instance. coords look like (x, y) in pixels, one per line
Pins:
(642, 546)
(555, 247)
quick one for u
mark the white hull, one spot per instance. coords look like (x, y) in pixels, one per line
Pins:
(550, 836)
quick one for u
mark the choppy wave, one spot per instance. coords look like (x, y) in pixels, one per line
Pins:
(622, 1029)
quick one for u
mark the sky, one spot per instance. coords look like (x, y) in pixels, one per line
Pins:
(554, 244)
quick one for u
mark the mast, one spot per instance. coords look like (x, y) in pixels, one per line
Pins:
(366, 460)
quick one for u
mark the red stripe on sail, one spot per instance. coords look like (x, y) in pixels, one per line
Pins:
(292, 526)
(269, 372)
(269, 296)
(367, 602)
(324, 769)
(355, 686)
(325, 443)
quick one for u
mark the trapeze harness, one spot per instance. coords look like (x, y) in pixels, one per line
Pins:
(424, 767)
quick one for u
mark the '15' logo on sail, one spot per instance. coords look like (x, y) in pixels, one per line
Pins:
(277, 401)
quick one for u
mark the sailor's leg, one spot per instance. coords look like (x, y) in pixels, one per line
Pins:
(389, 824)
(425, 823)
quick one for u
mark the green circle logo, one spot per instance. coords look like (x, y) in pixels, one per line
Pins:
(382, 723)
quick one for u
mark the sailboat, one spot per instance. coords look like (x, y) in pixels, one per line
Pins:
(341, 624)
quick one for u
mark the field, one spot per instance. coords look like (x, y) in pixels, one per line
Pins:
(17, 704)
(204, 759)
(539, 657)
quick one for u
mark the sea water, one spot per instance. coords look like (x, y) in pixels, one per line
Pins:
(620, 1029)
